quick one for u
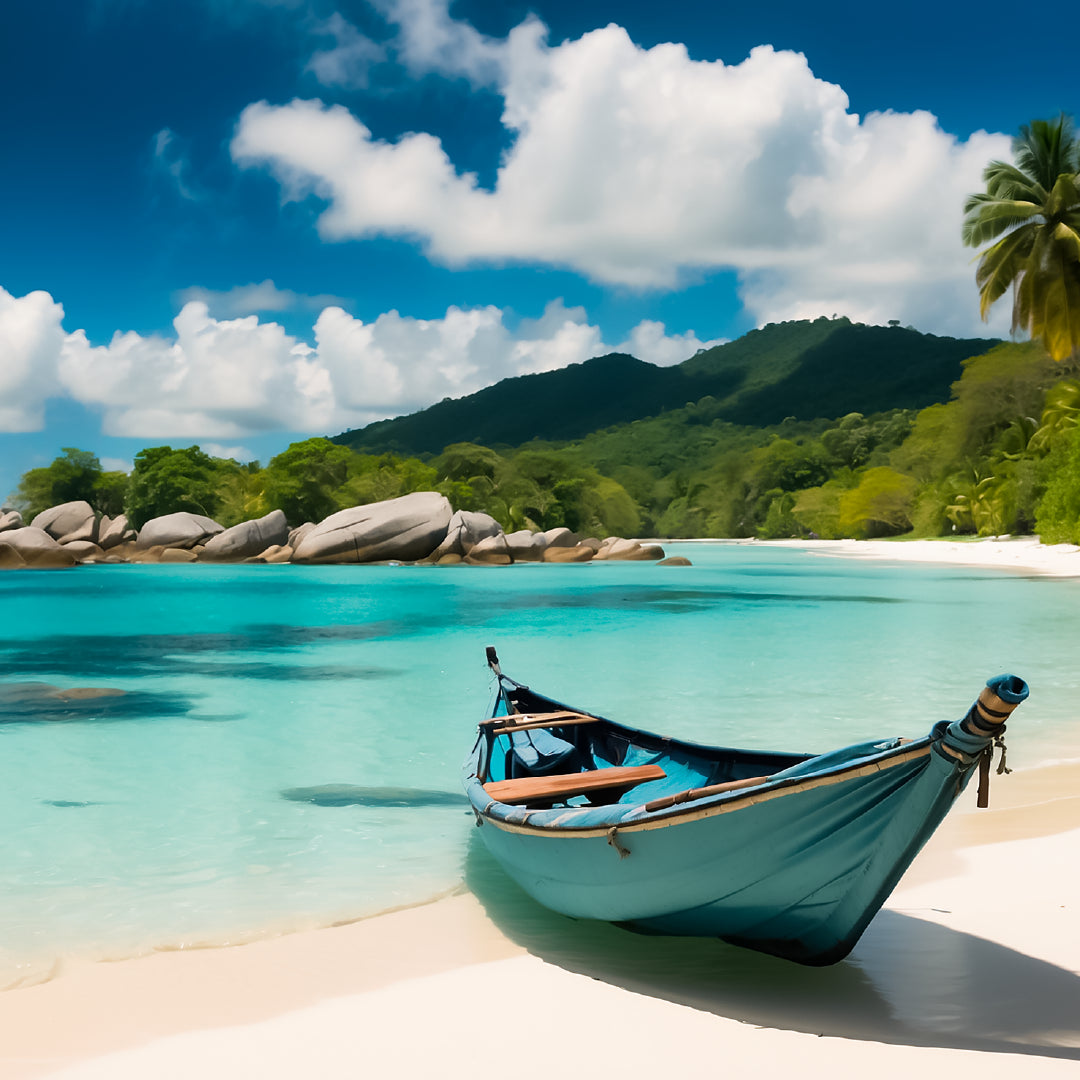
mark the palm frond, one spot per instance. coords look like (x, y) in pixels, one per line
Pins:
(1004, 181)
(1001, 266)
(988, 218)
(1058, 321)
(1045, 149)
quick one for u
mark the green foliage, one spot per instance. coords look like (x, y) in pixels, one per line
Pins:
(1057, 515)
(241, 493)
(164, 481)
(881, 505)
(817, 510)
(807, 369)
(1031, 210)
(303, 480)
(386, 476)
(75, 476)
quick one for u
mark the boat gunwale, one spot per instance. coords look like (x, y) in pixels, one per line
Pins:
(711, 805)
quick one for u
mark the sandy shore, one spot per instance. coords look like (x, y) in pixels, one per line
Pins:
(972, 968)
(1021, 553)
(975, 960)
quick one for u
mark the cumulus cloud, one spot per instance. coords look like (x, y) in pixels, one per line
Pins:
(224, 379)
(261, 297)
(31, 336)
(633, 166)
(398, 364)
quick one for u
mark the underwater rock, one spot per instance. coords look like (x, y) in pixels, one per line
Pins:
(352, 795)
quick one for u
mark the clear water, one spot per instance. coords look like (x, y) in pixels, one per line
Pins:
(157, 819)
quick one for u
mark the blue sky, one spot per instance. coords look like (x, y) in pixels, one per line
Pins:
(240, 222)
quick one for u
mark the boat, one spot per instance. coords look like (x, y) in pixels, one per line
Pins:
(787, 853)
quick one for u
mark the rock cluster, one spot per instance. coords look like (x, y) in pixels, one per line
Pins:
(420, 527)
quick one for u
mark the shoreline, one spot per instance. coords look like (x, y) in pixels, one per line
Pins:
(989, 905)
(973, 960)
(1021, 553)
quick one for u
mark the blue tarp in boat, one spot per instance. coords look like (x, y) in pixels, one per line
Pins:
(788, 853)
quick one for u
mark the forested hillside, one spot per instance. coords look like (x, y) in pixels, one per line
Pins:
(807, 370)
(1000, 454)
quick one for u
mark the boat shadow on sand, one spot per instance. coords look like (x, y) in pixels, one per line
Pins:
(909, 981)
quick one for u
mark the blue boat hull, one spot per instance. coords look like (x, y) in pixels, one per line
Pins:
(796, 866)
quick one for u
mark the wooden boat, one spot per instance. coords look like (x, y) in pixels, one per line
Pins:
(790, 854)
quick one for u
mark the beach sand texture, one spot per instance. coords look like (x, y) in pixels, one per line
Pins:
(972, 968)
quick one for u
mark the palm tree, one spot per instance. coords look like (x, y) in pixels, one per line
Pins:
(1033, 206)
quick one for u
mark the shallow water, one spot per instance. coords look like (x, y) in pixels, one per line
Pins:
(287, 751)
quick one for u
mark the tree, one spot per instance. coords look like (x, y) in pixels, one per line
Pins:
(303, 479)
(165, 480)
(1031, 210)
(75, 476)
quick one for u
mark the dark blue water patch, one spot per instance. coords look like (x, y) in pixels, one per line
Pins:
(352, 795)
(675, 600)
(36, 702)
(65, 804)
(88, 655)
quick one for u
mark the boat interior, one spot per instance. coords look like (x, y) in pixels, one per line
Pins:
(541, 754)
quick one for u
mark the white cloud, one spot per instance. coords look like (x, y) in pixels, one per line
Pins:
(429, 40)
(399, 364)
(231, 378)
(234, 453)
(249, 299)
(634, 165)
(114, 464)
(219, 379)
(31, 337)
(349, 61)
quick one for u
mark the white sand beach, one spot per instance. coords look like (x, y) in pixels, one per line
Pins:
(1020, 553)
(972, 968)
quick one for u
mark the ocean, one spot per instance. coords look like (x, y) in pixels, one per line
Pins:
(286, 749)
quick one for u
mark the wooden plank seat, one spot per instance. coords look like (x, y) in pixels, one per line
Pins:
(613, 781)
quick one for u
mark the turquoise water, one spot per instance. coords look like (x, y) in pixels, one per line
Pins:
(157, 818)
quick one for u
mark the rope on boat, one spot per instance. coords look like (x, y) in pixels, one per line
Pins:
(613, 840)
(985, 761)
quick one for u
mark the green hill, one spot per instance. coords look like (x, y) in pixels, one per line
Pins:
(806, 370)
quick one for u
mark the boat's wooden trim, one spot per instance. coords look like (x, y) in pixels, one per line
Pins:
(540, 720)
(566, 785)
(687, 813)
(691, 794)
(517, 718)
